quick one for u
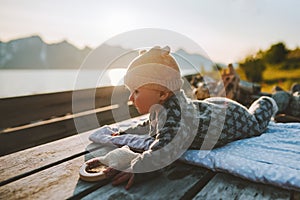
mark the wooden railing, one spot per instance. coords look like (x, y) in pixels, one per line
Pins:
(37, 119)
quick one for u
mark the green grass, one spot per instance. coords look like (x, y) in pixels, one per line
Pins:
(274, 77)
(282, 78)
(275, 74)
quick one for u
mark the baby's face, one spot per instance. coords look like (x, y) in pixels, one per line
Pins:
(144, 98)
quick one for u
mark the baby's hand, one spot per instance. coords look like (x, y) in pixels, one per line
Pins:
(119, 177)
(110, 172)
(124, 177)
(93, 163)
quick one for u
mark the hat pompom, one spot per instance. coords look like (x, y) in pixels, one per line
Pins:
(166, 51)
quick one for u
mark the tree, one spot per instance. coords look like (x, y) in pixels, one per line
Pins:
(253, 68)
(276, 54)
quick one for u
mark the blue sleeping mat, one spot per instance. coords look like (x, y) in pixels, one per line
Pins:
(272, 158)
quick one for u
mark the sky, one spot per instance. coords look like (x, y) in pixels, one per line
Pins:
(227, 30)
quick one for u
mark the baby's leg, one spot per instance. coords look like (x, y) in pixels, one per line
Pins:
(239, 123)
(242, 122)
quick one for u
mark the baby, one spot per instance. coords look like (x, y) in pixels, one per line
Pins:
(177, 123)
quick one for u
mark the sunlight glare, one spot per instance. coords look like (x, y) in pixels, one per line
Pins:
(116, 76)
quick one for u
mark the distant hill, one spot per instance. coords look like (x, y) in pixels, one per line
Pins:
(187, 60)
(33, 53)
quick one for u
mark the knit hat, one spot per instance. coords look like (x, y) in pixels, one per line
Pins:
(154, 69)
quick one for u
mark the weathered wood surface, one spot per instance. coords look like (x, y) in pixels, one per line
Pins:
(61, 182)
(49, 171)
(176, 183)
(109, 107)
(17, 111)
(28, 172)
(53, 152)
(47, 132)
(37, 157)
(224, 186)
(57, 182)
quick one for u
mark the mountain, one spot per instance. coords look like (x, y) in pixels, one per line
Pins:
(195, 61)
(33, 53)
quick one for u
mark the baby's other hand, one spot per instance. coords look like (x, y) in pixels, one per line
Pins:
(110, 172)
(124, 177)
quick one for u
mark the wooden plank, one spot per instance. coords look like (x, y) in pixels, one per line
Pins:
(37, 157)
(172, 184)
(224, 186)
(25, 161)
(29, 137)
(61, 182)
(57, 182)
(23, 110)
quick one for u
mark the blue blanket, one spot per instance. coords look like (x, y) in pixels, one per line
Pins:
(272, 158)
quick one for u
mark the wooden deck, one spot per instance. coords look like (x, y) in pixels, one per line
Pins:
(48, 169)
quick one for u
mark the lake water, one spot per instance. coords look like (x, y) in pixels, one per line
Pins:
(27, 82)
